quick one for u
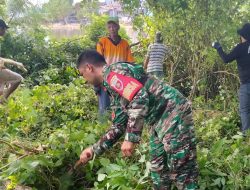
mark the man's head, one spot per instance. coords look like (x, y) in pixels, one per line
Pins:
(158, 38)
(113, 26)
(3, 27)
(90, 65)
(244, 32)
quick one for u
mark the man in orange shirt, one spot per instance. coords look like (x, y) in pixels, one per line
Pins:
(114, 49)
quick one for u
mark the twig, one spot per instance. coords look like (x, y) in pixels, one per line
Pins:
(26, 148)
(7, 143)
(12, 17)
(135, 44)
(17, 145)
(21, 157)
(226, 72)
(10, 145)
(180, 80)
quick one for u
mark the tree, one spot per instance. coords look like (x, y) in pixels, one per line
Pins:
(56, 10)
(22, 14)
(190, 27)
(88, 8)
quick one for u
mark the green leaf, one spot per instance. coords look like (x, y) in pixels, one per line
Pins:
(104, 162)
(101, 177)
(34, 164)
(143, 158)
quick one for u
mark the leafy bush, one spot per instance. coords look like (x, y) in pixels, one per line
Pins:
(46, 61)
(45, 108)
(223, 152)
(44, 130)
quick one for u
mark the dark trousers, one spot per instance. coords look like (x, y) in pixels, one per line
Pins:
(244, 96)
(103, 100)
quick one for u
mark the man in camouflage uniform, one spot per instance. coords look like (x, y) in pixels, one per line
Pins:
(136, 98)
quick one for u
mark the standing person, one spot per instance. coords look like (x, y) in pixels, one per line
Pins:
(241, 53)
(7, 77)
(157, 54)
(114, 49)
(136, 98)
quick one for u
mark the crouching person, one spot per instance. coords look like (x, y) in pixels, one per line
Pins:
(9, 79)
(137, 98)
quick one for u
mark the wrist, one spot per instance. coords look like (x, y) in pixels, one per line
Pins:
(132, 137)
(97, 150)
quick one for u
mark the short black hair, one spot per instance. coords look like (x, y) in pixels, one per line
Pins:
(92, 57)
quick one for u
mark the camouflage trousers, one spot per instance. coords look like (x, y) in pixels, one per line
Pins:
(173, 152)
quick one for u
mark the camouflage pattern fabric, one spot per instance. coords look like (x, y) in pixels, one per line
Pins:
(167, 113)
(173, 151)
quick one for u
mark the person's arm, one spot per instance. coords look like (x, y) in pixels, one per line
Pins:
(147, 58)
(146, 63)
(227, 58)
(99, 47)
(137, 110)
(118, 128)
(12, 62)
(134, 92)
(130, 57)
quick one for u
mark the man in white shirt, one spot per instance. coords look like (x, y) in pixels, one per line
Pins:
(157, 54)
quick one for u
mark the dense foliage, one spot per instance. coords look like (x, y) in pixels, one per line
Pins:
(189, 28)
(43, 131)
(53, 115)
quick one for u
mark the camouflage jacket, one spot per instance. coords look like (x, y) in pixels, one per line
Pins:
(135, 98)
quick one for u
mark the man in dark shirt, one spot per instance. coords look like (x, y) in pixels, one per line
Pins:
(241, 53)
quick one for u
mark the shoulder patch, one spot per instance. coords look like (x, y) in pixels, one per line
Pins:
(126, 86)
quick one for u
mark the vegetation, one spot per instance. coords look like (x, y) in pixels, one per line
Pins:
(52, 117)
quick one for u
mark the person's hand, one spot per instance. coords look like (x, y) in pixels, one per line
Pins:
(127, 148)
(21, 67)
(86, 155)
(216, 45)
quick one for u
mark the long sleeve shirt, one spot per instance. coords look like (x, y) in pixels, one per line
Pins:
(135, 98)
(241, 53)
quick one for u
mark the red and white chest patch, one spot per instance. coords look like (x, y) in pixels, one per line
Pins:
(126, 86)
